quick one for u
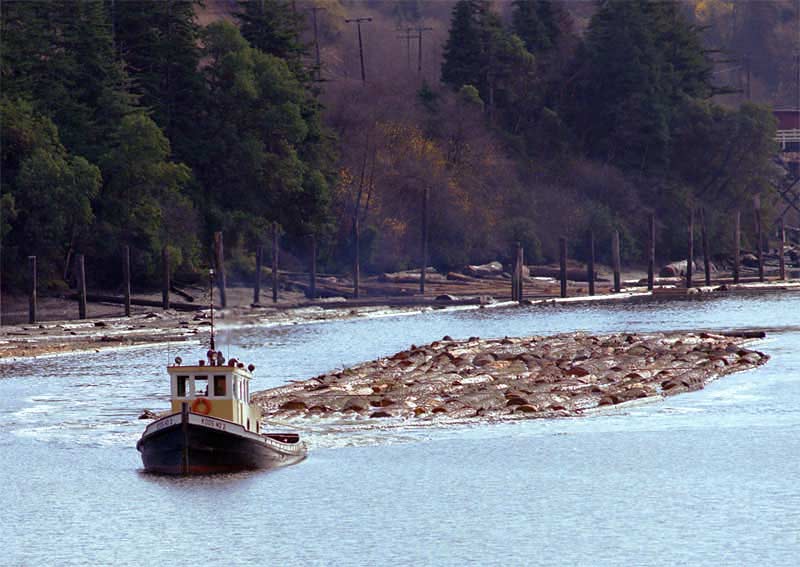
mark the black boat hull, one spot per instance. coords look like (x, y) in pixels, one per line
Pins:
(197, 444)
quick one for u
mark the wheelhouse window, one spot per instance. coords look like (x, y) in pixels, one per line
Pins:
(220, 389)
(182, 388)
(201, 385)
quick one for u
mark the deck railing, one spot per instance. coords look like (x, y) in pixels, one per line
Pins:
(785, 137)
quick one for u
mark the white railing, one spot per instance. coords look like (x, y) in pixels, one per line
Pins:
(784, 137)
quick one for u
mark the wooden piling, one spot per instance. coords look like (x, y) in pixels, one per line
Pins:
(165, 278)
(126, 279)
(520, 272)
(781, 249)
(514, 260)
(312, 272)
(33, 285)
(219, 261)
(275, 251)
(562, 262)
(615, 259)
(704, 242)
(356, 258)
(424, 252)
(81, 286)
(257, 279)
(759, 236)
(690, 252)
(590, 266)
(737, 239)
(651, 252)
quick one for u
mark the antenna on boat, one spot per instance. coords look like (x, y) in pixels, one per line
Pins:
(211, 288)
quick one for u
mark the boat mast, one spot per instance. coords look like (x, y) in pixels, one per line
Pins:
(211, 289)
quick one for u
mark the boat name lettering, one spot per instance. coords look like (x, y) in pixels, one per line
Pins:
(164, 423)
(212, 423)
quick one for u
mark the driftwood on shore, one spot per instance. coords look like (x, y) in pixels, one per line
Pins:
(511, 378)
(178, 306)
(573, 274)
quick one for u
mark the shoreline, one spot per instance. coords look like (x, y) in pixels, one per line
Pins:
(151, 328)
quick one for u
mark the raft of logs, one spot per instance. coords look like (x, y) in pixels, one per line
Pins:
(512, 378)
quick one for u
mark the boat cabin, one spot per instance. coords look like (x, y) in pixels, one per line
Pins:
(215, 390)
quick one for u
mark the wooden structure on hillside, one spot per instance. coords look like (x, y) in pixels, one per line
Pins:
(788, 136)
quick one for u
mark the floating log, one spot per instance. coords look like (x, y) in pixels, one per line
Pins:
(515, 378)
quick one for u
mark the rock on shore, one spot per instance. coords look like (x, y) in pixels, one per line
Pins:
(514, 378)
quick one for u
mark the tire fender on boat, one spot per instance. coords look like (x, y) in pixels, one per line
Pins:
(201, 406)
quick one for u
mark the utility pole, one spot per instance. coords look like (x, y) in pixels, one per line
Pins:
(314, 10)
(420, 30)
(358, 22)
(408, 37)
(748, 74)
(797, 77)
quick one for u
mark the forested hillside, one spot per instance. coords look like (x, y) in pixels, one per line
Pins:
(155, 124)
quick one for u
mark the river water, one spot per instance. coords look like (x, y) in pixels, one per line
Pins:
(706, 478)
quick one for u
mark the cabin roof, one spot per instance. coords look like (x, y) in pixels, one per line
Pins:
(206, 369)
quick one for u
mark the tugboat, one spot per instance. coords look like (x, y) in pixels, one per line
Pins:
(213, 427)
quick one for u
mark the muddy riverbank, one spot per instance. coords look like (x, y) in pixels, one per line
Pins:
(514, 378)
(106, 329)
(154, 327)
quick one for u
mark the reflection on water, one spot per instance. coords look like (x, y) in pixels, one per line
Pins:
(704, 478)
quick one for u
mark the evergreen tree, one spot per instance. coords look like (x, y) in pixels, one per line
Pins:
(143, 200)
(463, 60)
(639, 61)
(267, 156)
(59, 55)
(481, 53)
(274, 27)
(534, 21)
(159, 45)
(47, 191)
